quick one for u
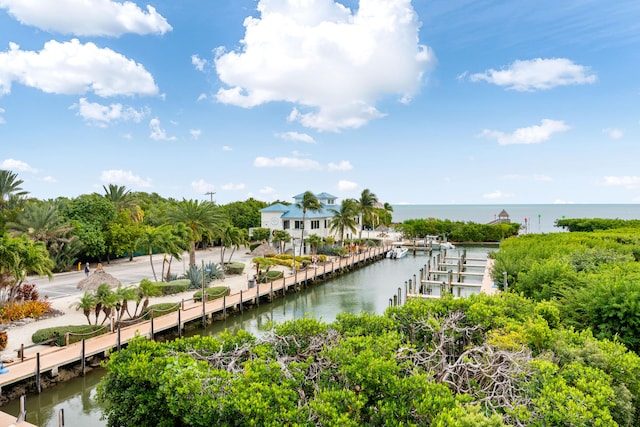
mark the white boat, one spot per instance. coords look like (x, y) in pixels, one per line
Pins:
(435, 242)
(398, 251)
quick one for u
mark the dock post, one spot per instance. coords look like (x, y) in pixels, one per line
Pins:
(38, 385)
(258, 294)
(180, 323)
(61, 417)
(271, 291)
(390, 302)
(22, 352)
(451, 281)
(395, 300)
(22, 416)
(399, 296)
(118, 342)
(224, 307)
(84, 362)
(151, 336)
(240, 300)
(406, 292)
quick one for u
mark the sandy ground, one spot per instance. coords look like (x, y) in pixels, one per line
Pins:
(62, 291)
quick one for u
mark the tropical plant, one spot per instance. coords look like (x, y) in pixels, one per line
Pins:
(343, 220)
(86, 304)
(281, 237)
(10, 188)
(231, 237)
(311, 203)
(200, 219)
(366, 206)
(19, 257)
(143, 292)
(314, 241)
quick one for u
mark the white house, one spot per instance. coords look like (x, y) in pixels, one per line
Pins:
(289, 218)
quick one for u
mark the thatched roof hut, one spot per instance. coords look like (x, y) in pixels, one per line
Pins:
(264, 249)
(96, 279)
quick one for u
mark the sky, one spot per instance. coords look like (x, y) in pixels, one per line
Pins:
(421, 102)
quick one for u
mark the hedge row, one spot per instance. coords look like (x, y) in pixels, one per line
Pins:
(77, 333)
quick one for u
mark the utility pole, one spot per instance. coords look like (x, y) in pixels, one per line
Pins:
(210, 193)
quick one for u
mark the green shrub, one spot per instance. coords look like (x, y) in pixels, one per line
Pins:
(270, 275)
(194, 275)
(234, 267)
(77, 333)
(160, 309)
(212, 293)
(173, 287)
(252, 246)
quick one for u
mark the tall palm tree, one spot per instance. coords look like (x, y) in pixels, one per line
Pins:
(366, 206)
(86, 303)
(311, 203)
(9, 188)
(344, 218)
(200, 218)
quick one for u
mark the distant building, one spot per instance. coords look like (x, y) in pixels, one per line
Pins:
(503, 217)
(289, 218)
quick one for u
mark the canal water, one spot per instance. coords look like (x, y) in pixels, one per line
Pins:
(368, 289)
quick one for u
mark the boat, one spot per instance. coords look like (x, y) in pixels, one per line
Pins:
(398, 251)
(436, 243)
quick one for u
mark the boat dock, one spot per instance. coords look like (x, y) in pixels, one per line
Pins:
(33, 367)
(460, 276)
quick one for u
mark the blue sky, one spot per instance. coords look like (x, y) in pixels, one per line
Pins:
(424, 101)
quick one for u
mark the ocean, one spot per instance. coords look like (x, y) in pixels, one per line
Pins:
(537, 218)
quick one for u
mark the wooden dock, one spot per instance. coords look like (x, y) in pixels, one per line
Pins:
(48, 361)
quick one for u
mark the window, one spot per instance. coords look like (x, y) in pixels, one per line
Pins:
(326, 223)
(297, 225)
(315, 224)
(286, 225)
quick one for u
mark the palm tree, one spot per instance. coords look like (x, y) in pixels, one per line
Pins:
(86, 303)
(366, 205)
(344, 218)
(9, 188)
(145, 289)
(314, 241)
(18, 258)
(200, 218)
(41, 222)
(153, 239)
(231, 237)
(311, 203)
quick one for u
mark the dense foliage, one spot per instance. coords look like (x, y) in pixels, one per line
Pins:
(593, 278)
(458, 231)
(592, 224)
(479, 361)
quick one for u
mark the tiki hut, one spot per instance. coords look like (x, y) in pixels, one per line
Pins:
(264, 249)
(96, 279)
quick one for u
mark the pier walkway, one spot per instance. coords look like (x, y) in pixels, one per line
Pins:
(48, 361)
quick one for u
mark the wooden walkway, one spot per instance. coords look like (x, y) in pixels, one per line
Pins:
(48, 361)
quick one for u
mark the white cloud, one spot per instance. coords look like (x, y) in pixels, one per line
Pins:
(202, 186)
(103, 115)
(296, 136)
(157, 131)
(628, 182)
(286, 162)
(2, 121)
(497, 195)
(333, 63)
(117, 176)
(344, 165)
(344, 185)
(74, 68)
(537, 74)
(233, 187)
(529, 135)
(267, 190)
(226, 148)
(195, 133)
(198, 62)
(17, 165)
(202, 97)
(87, 18)
(50, 179)
(613, 133)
